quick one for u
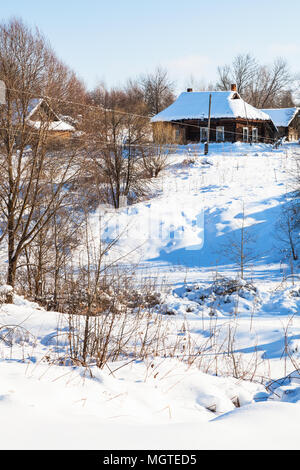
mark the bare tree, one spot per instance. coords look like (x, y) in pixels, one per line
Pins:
(296, 89)
(156, 156)
(286, 99)
(288, 228)
(117, 131)
(270, 84)
(224, 78)
(241, 72)
(158, 90)
(240, 246)
(32, 180)
(261, 85)
(46, 261)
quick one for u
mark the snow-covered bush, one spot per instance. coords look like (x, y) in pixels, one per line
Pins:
(15, 334)
(295, 292)
(189, 161)
(4, 290)
(223, 296)
(286, 389)
(222, 287)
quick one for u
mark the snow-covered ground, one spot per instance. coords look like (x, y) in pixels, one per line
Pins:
(201, 205)
(231, 382)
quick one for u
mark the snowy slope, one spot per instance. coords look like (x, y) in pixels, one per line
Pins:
(252, 332)
(201, 206)
(138, 405)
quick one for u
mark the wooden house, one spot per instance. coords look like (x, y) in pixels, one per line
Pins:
(287, 121)
(40, 114)
(232, 119)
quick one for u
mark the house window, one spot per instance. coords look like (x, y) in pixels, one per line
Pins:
(245, 134)
(177, 134)
(254, 134)
(203, 134)
(220, 134)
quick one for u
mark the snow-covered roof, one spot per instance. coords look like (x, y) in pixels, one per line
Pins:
(33, 105)
(281, 117)
(224, 104)
(54, 124)
(51, 125)
(57, 125)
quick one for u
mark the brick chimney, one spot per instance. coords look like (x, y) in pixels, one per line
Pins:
(189, 90)
(233, 87)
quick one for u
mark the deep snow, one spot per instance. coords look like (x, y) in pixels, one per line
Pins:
(164, 402)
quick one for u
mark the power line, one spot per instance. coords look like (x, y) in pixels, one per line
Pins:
(99, 107)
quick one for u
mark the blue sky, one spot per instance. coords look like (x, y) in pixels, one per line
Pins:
(117, 39)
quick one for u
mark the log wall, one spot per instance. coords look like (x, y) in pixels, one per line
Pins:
(187, 131)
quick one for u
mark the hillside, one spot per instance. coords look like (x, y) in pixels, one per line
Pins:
(222, 351)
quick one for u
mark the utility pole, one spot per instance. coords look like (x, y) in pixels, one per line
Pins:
(2, 92)
(208, 128)
(249, 136)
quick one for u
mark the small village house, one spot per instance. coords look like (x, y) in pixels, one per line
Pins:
(232, 119)
(40, 114)
(287, 121)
